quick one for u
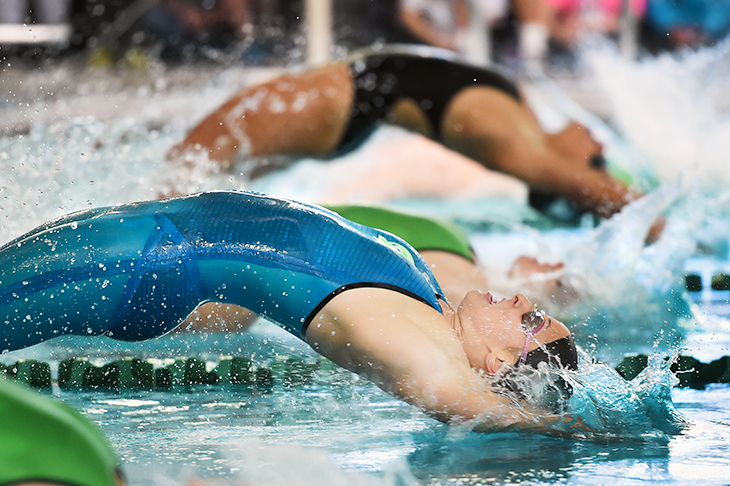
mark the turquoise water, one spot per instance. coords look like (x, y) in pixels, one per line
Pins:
(339, 429)
(97, 138)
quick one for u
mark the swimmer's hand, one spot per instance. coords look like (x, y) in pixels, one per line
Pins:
(546, 279)
(567, 425)
(521, 417)
(525, 266)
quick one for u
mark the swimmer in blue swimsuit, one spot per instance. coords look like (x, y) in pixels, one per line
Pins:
(359, 296)
(475, 111)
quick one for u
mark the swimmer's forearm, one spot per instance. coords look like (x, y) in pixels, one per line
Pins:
(470, 401)
(533, 422)
(592, 190)
(520, 417)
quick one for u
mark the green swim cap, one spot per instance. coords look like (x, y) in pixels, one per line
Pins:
(45, 440)
(421, 232)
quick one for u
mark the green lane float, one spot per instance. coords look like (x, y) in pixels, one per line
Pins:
(691, 372)
(79, 373)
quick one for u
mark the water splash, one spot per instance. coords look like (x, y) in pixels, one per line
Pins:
(640, 408)
(672, 108)
(596, 403)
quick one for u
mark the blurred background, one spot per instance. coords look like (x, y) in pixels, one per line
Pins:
(281, 32)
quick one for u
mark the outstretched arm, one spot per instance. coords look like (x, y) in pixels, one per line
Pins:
(503, 134)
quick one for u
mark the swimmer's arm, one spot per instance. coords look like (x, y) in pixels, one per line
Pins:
(412, 356)
(592, 190)
(462, 396)
(597, 192)
(488, 126)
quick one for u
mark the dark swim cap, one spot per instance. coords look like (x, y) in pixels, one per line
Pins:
(560, 353)
(44, 440)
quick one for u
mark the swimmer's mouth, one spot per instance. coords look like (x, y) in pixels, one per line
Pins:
(491, 300)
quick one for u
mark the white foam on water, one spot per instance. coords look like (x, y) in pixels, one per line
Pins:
(673, 108)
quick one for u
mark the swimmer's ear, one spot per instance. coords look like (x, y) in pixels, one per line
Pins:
(493, 363)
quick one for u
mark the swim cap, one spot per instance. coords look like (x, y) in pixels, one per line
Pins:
(560, 353)
(421, 232)
(44, 440)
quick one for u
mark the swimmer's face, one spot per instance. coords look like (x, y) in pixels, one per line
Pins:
(492, 330)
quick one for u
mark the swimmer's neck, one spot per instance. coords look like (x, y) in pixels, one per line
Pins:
(452, 319)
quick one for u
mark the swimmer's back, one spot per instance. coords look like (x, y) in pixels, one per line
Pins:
(136, 271)
(428, 76)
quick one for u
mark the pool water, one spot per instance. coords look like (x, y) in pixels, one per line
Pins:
(78, 138)
(342, 428)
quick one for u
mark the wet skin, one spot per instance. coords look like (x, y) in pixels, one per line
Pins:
(435, 361)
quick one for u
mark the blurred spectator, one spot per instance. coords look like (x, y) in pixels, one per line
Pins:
(440, 23)
(36, 11)
(361, 23)
(571, 17)
(186, 26)
(535, 22)
(689, 23)
(548, 30)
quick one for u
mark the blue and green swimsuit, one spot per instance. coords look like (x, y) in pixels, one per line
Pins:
(136, 271)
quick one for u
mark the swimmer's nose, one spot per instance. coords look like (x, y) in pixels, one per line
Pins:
(521, 301)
